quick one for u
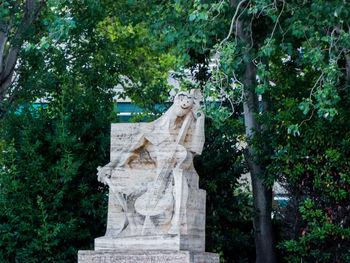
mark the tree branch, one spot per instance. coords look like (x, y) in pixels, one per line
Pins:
(347, 59)
(9, 60)
(232, 22)
(274, 28)
(3, 41)
(37, 11)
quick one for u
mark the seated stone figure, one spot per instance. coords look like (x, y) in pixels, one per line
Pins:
(154, 197)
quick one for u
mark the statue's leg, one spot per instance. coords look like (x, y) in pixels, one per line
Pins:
(119, 215)
(180, 196)
(129, 152)
(131, 227)
(163, 156)
(180, 190)
(117, 218)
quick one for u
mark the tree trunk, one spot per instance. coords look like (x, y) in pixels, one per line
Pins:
(347, 83)
(262, 196)
(347, 66)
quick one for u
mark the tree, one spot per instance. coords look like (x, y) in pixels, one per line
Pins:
(19, 24)
(312, 106)
(50, 199)
(16, 18)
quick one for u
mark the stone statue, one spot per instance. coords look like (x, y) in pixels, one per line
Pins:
(163, 151)
(155, 203)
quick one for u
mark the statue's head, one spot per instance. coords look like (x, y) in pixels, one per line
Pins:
(183, 103)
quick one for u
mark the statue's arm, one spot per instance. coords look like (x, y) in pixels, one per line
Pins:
(122, 158)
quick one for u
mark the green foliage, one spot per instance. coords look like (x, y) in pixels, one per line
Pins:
(308, 117)
(144, 70)
(316, 165)
(51, 203)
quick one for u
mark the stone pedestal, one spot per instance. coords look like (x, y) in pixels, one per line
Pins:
(149, 256)
(161, 242)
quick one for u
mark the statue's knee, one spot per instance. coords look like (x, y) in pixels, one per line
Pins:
(183, 157)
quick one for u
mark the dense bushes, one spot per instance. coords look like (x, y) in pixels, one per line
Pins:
(229, 229)
(316, 167)
(310, 155)
(51, 203)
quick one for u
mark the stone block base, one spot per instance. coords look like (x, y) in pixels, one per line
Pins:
(155, 256)
(161, 242)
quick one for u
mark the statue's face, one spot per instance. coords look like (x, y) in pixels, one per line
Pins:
(183, 103)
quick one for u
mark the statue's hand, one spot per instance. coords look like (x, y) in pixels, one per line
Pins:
(104, 173)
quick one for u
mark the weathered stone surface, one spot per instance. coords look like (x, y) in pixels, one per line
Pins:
(161, 242)
(154, 198)
(147, 256)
